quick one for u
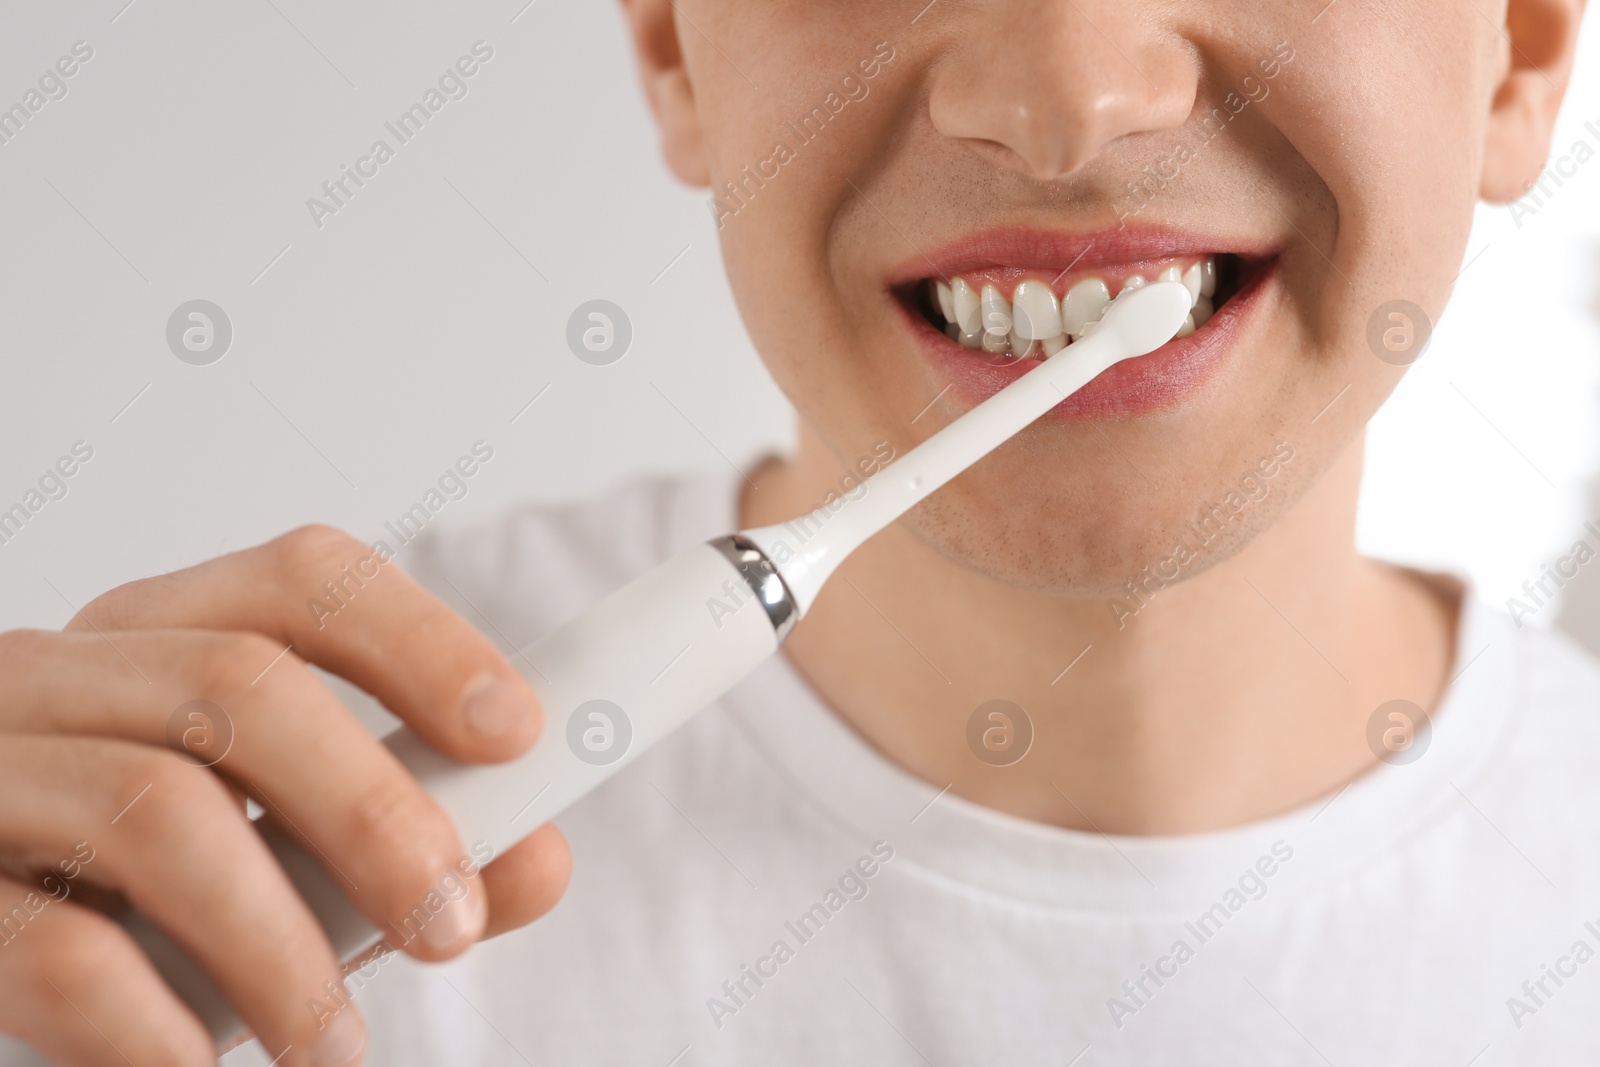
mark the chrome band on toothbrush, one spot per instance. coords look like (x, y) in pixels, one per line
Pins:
(763, 580)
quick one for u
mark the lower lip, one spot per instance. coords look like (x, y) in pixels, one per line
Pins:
(1137, 386)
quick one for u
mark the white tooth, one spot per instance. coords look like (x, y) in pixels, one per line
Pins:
(1052, 345)
(1022, 347)
(964, 301)
(1191, 282)
(1188, 326)
(1088, 328)
(947, 302)
(996, 320)
(1208, 277)
(1036, 315)
(1202, 310)
(1085, 302)
(1132, 282)
(1170, 273)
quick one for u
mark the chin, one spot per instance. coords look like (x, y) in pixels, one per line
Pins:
(1099, 538)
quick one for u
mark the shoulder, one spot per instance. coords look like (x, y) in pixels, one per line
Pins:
(538, 564)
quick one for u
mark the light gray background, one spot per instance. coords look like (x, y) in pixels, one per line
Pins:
(375, 350)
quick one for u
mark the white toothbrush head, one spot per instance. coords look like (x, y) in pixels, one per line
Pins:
(1139, 321)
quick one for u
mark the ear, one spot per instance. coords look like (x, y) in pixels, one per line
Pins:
(1535, 63)
(666, 85)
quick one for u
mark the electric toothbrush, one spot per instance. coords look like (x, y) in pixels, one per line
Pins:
(639, 663)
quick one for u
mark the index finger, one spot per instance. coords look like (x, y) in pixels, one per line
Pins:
(344, 606)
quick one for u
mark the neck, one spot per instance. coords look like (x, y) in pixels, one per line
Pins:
(1227, 697)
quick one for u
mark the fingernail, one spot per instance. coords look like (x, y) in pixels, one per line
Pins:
(460, 920)
(494, 707)
(341, 1042)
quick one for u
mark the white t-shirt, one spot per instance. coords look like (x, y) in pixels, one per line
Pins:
(765, 888)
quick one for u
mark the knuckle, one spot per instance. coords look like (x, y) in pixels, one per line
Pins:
(125, 607)
(312, 550)
(79, 952)
(165, 776)
(24, 646)
(231, 661)
(172, 792)
(112, 609)
(403, 828)
(68, 949)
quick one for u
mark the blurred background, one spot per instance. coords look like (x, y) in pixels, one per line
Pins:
(371, 347)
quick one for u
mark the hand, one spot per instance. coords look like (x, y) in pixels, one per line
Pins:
(97, 806)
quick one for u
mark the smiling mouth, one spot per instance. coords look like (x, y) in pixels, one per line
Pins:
(1010, 315)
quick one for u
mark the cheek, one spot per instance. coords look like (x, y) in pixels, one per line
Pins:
(790, 225)
(1388, 108)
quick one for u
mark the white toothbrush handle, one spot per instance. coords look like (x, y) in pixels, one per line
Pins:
(628, 671)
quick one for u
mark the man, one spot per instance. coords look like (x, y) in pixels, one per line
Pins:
(1115, 751)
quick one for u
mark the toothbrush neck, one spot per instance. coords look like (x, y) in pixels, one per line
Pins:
(808, 549)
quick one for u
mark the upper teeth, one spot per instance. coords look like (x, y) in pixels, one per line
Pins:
(1034, 321)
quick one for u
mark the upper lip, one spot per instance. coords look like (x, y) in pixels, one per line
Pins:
(1061, 250)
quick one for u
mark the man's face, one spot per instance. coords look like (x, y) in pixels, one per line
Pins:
(1324, 160)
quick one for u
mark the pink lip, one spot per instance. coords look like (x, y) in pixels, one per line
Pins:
(1132, 387)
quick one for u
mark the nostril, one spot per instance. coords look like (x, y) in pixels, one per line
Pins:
(1037, 161)
(1048, 94)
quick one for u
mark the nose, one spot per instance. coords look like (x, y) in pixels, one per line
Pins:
(1041, 86)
